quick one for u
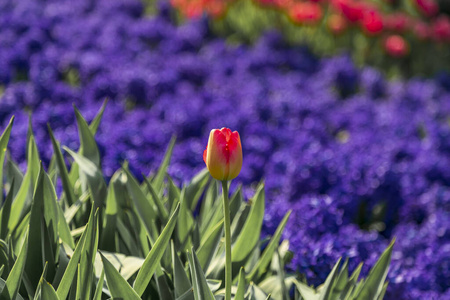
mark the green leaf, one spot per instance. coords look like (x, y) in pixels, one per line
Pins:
(187, 296)
(62, 266)
(51, 218)
(18, 233)
(271, 285)
(173, 193)
(88, 258)
(180, 279)
(264, 260)
(24, 196)
(117, 285)
(69, 275)
(201, 288)
(239, 220)
(159, 178)
(326, 291)
(236, 201)
(96, 122)
(63, 229)
(13, 174)
(5, 212)
(255, 293)
(374, 283)
(32, 155)
(281, 277)
(127, 265)
(185, 220)
(43, 232)
(157, 200)
(164, 291)
(98, 290)
(63, 173)
(341, 281)
(109, 228)
(14, 280)
(3, 146)
(355, 274)
(2, 286)
(215, 215)
(241, 286)
(94, 177)
(306, 292)
(209, 244)
(38, 295)
(196, 187)
(143, 207)
(383, 291)
(249, 236)
(47, 291)
(206, 209)
(88, 146)
(154, 256)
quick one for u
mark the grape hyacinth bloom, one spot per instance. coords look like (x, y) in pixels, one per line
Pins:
(359, 159)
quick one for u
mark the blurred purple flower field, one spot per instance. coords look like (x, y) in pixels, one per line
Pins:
(359, 159)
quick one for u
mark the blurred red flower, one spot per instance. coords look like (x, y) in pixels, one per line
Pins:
(351, 9)
(398, 22)
(372, 22)
(441, 29)
(396, 46)
(421, 30)
(305, 13)
(427, 7)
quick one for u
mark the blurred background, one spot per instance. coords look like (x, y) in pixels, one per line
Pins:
(343, 108)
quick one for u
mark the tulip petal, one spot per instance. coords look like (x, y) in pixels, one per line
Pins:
(204, 154)
(217, 155)
(235, 155)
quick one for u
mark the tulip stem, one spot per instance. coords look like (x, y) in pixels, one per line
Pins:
(226, 213)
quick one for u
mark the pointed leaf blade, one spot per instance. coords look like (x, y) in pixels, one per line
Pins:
(118, 286)
(154, 256)
(4, 139)
(250, 233)
(201, 288)
(15, 276)
(373, 285)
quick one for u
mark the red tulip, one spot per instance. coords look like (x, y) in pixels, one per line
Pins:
(421, 31)
(441, 29)
(372, 22)
(427, 7)
(305, 13)
(223, 154)
(396, 46)
(351, 9)
(398, 22)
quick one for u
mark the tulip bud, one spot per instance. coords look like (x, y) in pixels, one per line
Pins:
(223, 154)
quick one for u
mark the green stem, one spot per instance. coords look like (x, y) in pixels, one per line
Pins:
(226, 213)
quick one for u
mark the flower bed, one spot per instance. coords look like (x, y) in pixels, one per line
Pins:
(407, 37)
(311, 127)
